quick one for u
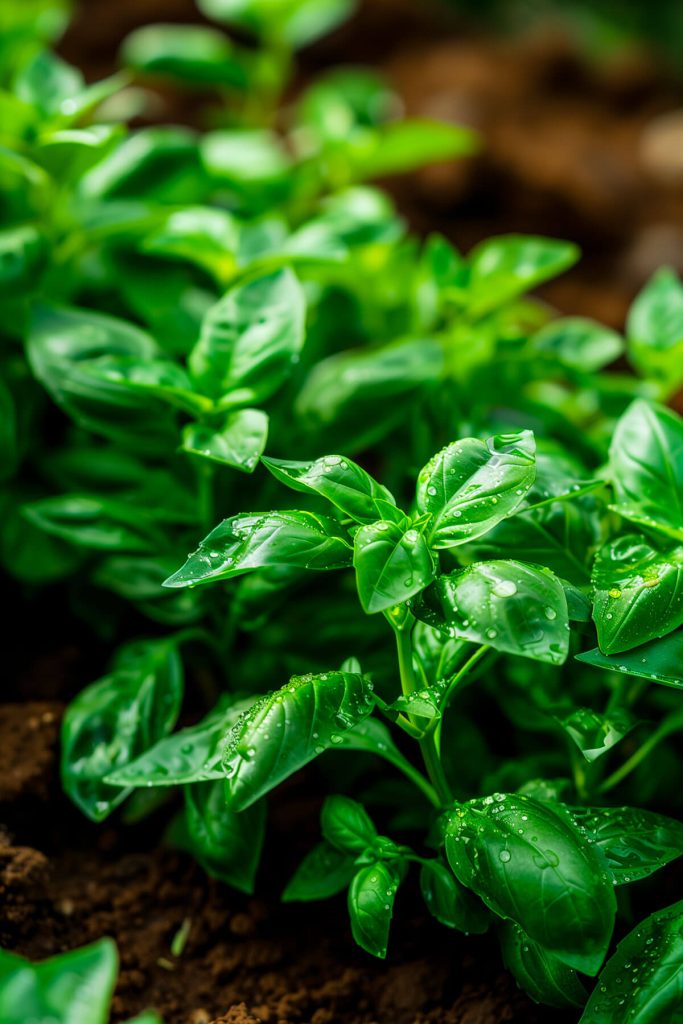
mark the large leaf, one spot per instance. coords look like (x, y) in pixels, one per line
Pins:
(250, 339)
(286, 729)
(72, 988)
(635, 842)
(528, 863)
(542, 976)
(642, 981)
(111, 722)
(273, 539)
(239, 442)
(638, 593)
(338, 479)
(371, 904)
(471, 485)
(646, 459)
(392, 563)
(660, 660)
(226, 844)
(513, 607)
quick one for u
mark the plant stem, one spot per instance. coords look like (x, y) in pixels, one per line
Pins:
(409, 684)
(669, 725)
(205, 495)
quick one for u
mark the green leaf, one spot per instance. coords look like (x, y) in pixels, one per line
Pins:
(226, 844)
(405, 146)
(346, 825)
(502, 268)
(339, 480)
(286, 729)
(646, 460)
(392, 563)
(195, 54)
(273, 539)
(190, 755)
(296, 22)
(642, 981)
(239, 443)
(250, 339)
(200, 235)
(450, 902)
(371, 904)
(471, 485)
(638, 593)
(595, 733)
(578, 343)
(542, 976)
(47, 82)
(92, 523)
(112, 721)
(323, 873)
(71, 988)
(635, 842)
(252, 163)
(655, 329)
(660, 660)
(513, 607)
(528, 863)
(158, 378)
(22, 255)
(160, 163)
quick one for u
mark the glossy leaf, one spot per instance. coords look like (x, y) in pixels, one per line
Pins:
(273, 540)
(641, 982)
(297, 22)
(471, 485)
(392, 563)
(346, 825)
(595, 733)
(510, 606)
(196, 54)
(371, 904)
(286, 729)
(502, 268)
(655, 329)
(646, 459)
(226, 844)
(71, 988)
(238, 443)
(323, 872)
(578, 343)
(638, 593)
(449, 901)
(634, 842)
(542, 976)
(660, 660)
(111, 722)
(200, 235)
(338, 479)
(528, 863)
(402, 146)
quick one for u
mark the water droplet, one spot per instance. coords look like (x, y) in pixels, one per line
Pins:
(505, 588)
(505, 856)
(550, 613)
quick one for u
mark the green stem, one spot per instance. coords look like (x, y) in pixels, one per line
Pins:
(669, 725)
(205, 502)
(409, 684)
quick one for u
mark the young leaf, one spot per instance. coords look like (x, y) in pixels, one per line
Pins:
(286, 729)
(638, 593)
(528, 863)
(226, 844)
(471, 485)
(273, 540)
(323, 872)
(371, 903)
(641, 982)
(392, 563)
(296, 22)
(346, 825)
(71, 988)
(402, 146)
(201, 235)
(195, 54)
(449, 901)
(501, 268)
(111, 722)
(239, 443)
(339, 480)
(250, 339)
(635, 842)
(579, 344)
(595, 733)
(655, 329)
(542, 976)
(646, 460)
(660, 660)
(513, 607)
(190, 755)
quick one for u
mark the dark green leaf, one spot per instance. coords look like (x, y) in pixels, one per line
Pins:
(392, 563)
(595, 733)
(449, 901)
(323, 872)
(286, 729)
(339, 480)
(642, 981)
(226, 844)
(92, 523)
(660, 660)
(274, 539)
(114, 720)
(371, 904)
(542, 976)
(510, 606)
(528, 863)
(239, 443)
(346, 825)
(638, 593)
(635, 842)
(471, 485)
(22, 254)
